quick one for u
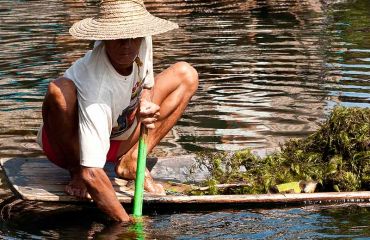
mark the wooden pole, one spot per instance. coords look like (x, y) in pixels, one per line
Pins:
(363, 196)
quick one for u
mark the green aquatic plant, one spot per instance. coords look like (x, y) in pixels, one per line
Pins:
(337, 156)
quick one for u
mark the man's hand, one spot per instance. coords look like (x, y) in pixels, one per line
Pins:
(149, 113)
(101, 190)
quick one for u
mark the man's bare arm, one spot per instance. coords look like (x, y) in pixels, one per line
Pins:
(149, 111)
(101, 190)
(147, 94)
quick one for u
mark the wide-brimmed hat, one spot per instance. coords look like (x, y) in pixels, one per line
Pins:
(120, 19)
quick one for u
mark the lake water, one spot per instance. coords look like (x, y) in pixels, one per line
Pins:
(269, 70)
(340, 222)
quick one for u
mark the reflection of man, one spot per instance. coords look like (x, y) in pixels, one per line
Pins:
(84, 119)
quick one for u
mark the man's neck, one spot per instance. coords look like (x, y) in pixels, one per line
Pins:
(122, 69)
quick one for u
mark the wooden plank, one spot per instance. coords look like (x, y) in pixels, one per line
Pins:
(265, 198)
(51, 188)
(39, 180)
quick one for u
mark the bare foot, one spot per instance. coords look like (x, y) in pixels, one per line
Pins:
(127, 170)
(151, 186)
(77, 188)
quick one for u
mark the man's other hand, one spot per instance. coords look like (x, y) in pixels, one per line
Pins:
(149, 113)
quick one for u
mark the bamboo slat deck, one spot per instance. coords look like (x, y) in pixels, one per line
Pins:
(39, 180)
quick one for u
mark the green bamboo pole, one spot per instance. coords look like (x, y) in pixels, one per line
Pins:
(138, 229)
(140, 173)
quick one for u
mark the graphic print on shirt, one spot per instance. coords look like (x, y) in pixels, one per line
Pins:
(127, 117)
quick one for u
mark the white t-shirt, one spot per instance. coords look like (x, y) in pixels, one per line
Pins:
(107, 100)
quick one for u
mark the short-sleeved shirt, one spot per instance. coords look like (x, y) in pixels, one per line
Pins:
(107, 101)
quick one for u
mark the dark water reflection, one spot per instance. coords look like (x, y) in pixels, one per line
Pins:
(269, 70)
(344, 222)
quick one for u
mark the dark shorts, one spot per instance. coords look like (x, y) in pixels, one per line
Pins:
(112, 155)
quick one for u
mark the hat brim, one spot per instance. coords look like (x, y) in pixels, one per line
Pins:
(94, 29)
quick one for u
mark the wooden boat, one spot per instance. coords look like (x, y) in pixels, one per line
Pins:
(36, 179)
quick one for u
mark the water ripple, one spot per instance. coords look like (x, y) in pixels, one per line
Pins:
(269, 70)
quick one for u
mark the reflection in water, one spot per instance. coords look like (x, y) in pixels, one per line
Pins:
(265, 68)
(342, 221)
(269, 70)
(124, 231)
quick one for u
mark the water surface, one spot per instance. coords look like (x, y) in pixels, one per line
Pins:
(269, 70)
(340, 222)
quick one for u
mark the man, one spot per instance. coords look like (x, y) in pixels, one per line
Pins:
(93, 113)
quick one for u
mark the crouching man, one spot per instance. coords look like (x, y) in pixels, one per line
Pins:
(93, 113)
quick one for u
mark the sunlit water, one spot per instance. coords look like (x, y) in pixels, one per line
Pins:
(343, 222)
(269, 70)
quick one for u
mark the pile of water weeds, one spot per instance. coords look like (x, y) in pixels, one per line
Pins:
(337, 156)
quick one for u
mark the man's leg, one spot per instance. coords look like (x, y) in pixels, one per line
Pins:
(172, 91)
(60, 116)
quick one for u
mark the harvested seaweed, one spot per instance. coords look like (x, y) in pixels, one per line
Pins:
(337, 156)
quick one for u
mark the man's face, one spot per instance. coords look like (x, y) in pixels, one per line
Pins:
(123, 51)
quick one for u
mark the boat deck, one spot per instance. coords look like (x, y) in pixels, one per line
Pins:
(37, 179)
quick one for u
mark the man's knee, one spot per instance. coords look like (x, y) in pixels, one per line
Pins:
(188, 75)
(61, 94)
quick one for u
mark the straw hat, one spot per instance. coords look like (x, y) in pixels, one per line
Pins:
(119, 19)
